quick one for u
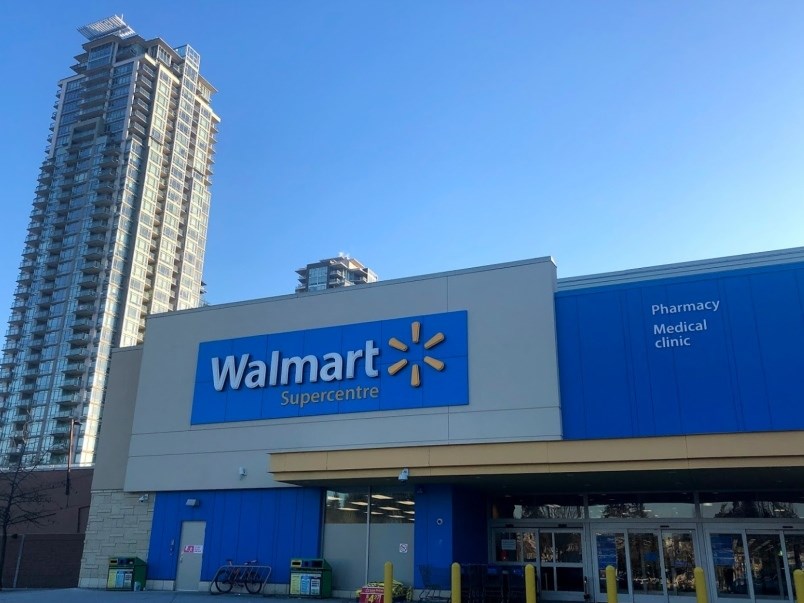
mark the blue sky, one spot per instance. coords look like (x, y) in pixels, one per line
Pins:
(425, 136)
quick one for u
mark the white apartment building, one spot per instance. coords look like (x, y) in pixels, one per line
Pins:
(117, 231)
(331, 273)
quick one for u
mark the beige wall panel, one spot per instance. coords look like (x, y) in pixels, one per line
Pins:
(281, 435)
(632, 465)
(758, 462)
(747, 444)
(512, 458)
(513, 382)
(491, 454)
(517, 340)
(118, 415)
(614, 450)
(496, 425)
(384, 457)
(218, 471)
(308, 461)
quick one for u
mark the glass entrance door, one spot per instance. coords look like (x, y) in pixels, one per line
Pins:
(768, 573)
(646, 565)
(755, 564)
(650, 565)
(678, 549)
(794, 551)
(556, 553)
(560, 567)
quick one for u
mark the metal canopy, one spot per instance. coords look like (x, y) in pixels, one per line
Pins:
(111, 25)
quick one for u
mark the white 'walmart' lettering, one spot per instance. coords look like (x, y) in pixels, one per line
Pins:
(255, 372)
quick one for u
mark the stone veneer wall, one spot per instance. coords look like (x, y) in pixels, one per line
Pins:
(119, 525)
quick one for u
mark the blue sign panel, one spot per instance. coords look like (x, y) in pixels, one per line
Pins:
(606, 550)
(710, 353)
(415, 362)
(723, 548)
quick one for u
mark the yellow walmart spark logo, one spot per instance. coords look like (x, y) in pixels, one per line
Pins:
(415, 334)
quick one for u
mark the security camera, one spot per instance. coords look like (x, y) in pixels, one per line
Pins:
(143, 498)
(403, 475)
(242, 471)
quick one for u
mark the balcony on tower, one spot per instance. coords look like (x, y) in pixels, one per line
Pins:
(104, 200)
(69, 400)
(96, 239)
(107, 174)
(99, 226)
(85, 309)
(89, 280)
(71, 384)
(74, 368)
(82, 325)
(77, 353)
(86, 295)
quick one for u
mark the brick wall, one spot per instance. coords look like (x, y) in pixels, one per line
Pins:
(50, 548)
(47, 561)
(119, 525)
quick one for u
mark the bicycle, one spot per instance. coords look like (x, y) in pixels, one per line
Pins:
(245, 575)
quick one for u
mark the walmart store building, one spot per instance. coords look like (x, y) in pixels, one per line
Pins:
(649, 419)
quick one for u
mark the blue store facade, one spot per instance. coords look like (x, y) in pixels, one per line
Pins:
(649, 419)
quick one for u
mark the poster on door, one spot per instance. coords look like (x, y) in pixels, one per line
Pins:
(606, 550)
(723, 549)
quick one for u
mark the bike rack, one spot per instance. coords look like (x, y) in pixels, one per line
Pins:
(264, 572)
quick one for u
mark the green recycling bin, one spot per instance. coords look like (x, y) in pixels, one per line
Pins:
(126, 573)
(310, 578)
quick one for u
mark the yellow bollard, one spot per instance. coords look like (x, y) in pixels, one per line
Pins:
(455, 594)
(700, 586)
(611, 584)
(798, 581)
(388, 583)
(530, 583)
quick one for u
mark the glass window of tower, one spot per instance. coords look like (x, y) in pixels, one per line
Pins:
(317, 279)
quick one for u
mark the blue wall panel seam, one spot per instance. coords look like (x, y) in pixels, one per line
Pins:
(734, 377)
(629, 363)
(761, 355)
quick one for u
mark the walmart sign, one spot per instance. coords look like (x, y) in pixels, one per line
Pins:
(414, 362)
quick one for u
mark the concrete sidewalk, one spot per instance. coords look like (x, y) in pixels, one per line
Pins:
(85, 595)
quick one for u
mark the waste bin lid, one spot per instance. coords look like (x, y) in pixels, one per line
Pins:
(126, 561)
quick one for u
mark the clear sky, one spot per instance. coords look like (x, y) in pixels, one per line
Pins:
(423, 136)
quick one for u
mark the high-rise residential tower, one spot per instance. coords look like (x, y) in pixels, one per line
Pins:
(117, 231)
(330, 273)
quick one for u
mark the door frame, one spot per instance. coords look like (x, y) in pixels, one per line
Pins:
(181, 553)
(538, 526)
(778, 527)
(657, 528)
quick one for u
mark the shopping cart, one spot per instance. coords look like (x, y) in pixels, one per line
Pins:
(436, 584)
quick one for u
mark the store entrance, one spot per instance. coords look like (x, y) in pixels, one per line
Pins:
(556, 553)
(755, 563)
(651, 565)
